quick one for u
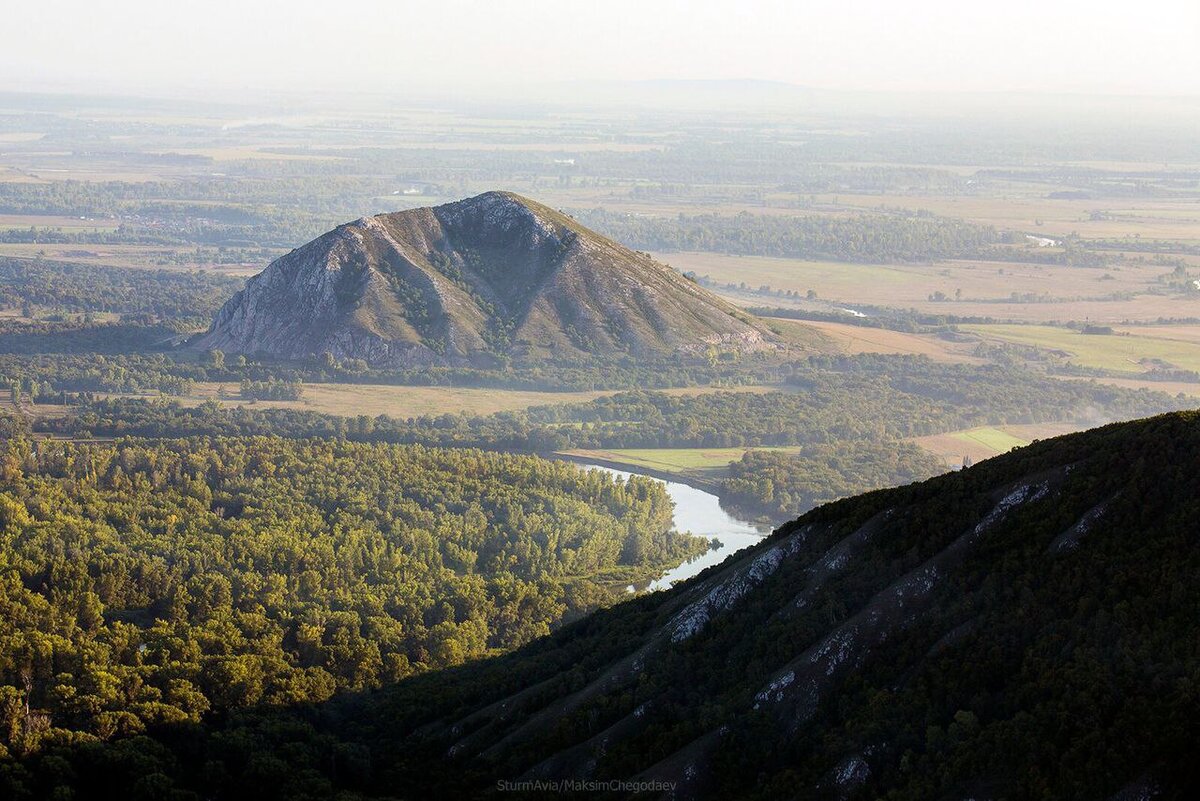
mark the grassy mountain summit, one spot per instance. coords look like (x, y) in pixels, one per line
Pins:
(466, 282)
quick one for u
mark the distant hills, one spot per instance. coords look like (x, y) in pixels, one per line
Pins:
(471, 283)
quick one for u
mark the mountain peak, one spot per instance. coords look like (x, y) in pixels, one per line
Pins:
(466, 282)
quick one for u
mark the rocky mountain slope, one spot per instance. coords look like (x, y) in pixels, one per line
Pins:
(1023, 629)
(465, 282)
(1026, 628)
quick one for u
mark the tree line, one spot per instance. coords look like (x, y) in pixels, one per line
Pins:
(861, 237)
(782, 484)
(40, 286)
(830, 400)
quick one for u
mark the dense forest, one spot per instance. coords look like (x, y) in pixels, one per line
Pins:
(830, 400)
(37, 285)
(850, 417)
(47, 376)
(148, 583)
(780, 483)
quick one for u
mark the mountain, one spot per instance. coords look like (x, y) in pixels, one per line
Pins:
(1023, 629)
(1026, 628)
(463, 283)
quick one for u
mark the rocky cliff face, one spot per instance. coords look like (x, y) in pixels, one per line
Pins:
(466, 282)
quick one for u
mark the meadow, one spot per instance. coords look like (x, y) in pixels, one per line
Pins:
(688, 464)
(395, 401)
(403, 402)
(1132, 350)
(984, 442)
(967, 288)
(855, 339)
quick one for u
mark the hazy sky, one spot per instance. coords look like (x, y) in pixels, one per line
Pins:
(1104, 46)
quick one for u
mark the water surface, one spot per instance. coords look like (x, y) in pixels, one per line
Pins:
(700, 513)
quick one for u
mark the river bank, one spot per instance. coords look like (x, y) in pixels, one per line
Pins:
(699, 512)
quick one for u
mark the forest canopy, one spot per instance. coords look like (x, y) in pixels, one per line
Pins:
(781, 483)
(145, 583)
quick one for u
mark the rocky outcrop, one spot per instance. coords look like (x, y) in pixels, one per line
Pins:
(492, 276)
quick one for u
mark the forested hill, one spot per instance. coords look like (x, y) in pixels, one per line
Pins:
(147, 584)
(1023, 629)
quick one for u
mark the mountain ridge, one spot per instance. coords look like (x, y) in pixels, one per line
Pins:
(929, 641)
(1021, 629)
(474, 282)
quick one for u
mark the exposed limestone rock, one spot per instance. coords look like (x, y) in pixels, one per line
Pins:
(467, 283)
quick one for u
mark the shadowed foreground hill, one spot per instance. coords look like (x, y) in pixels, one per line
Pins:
(496, 275)
(1024, 629)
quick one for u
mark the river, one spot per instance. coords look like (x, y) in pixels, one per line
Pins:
(700, 513)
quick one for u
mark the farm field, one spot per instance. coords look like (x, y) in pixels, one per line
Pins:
(416, 401)
(701, 463)
(853, 339)
(10, 222)
(1092, 218)
(590, 160)
(1125, 353)
(1005, 206)
(1169, 387)
(972, 288)
(993, 438)
(1179, 333)
(395, 401)
(986, 441)
(138, 257)
(863, 283)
